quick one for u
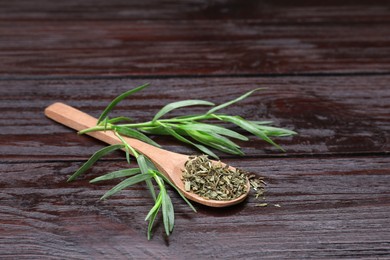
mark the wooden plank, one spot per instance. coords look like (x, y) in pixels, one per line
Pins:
(271, 11)
(333, 115)
(325, 67)
(107, 47)
(330, 208)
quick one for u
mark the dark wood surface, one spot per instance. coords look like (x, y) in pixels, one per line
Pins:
(325, 69)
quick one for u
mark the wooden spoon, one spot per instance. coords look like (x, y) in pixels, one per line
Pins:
(168, 163)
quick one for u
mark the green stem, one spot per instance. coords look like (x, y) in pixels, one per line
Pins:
(132, 150)
(137, 125)
(159, 182)
(178, 120)
(95, 128)
(149, 123)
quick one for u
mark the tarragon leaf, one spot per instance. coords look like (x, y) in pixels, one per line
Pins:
(262, 122)
(119, 99)
(135, 134)
(179, 104)
(145, 171)
(189, 117)
(167, 212)
(185, 140)
(213, 129)
(216, 141)
(116, 174)
(126, 183)
(159, 130)
(250, 127)
(154, 130)
(151, 221)
(231, 101)
(174, 186)
(119, 119)
(96, 156)
(275, 131)
(156, 207)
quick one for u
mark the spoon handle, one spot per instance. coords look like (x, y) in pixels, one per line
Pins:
(79, 120)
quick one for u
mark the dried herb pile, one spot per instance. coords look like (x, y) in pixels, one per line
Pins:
(213, 180)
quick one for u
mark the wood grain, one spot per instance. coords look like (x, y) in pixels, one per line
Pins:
(189, 38)
(330, 208)
(325, 67)
(326, 111)
(266, 11)
(182, 48)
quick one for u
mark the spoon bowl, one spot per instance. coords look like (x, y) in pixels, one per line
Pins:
(168, 163)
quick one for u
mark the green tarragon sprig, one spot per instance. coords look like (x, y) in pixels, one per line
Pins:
(146, 172)
(192, 129)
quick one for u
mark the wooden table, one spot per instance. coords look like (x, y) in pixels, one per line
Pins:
(326, 70)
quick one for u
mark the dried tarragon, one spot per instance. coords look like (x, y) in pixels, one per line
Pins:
(258, 185)
(213, 180)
